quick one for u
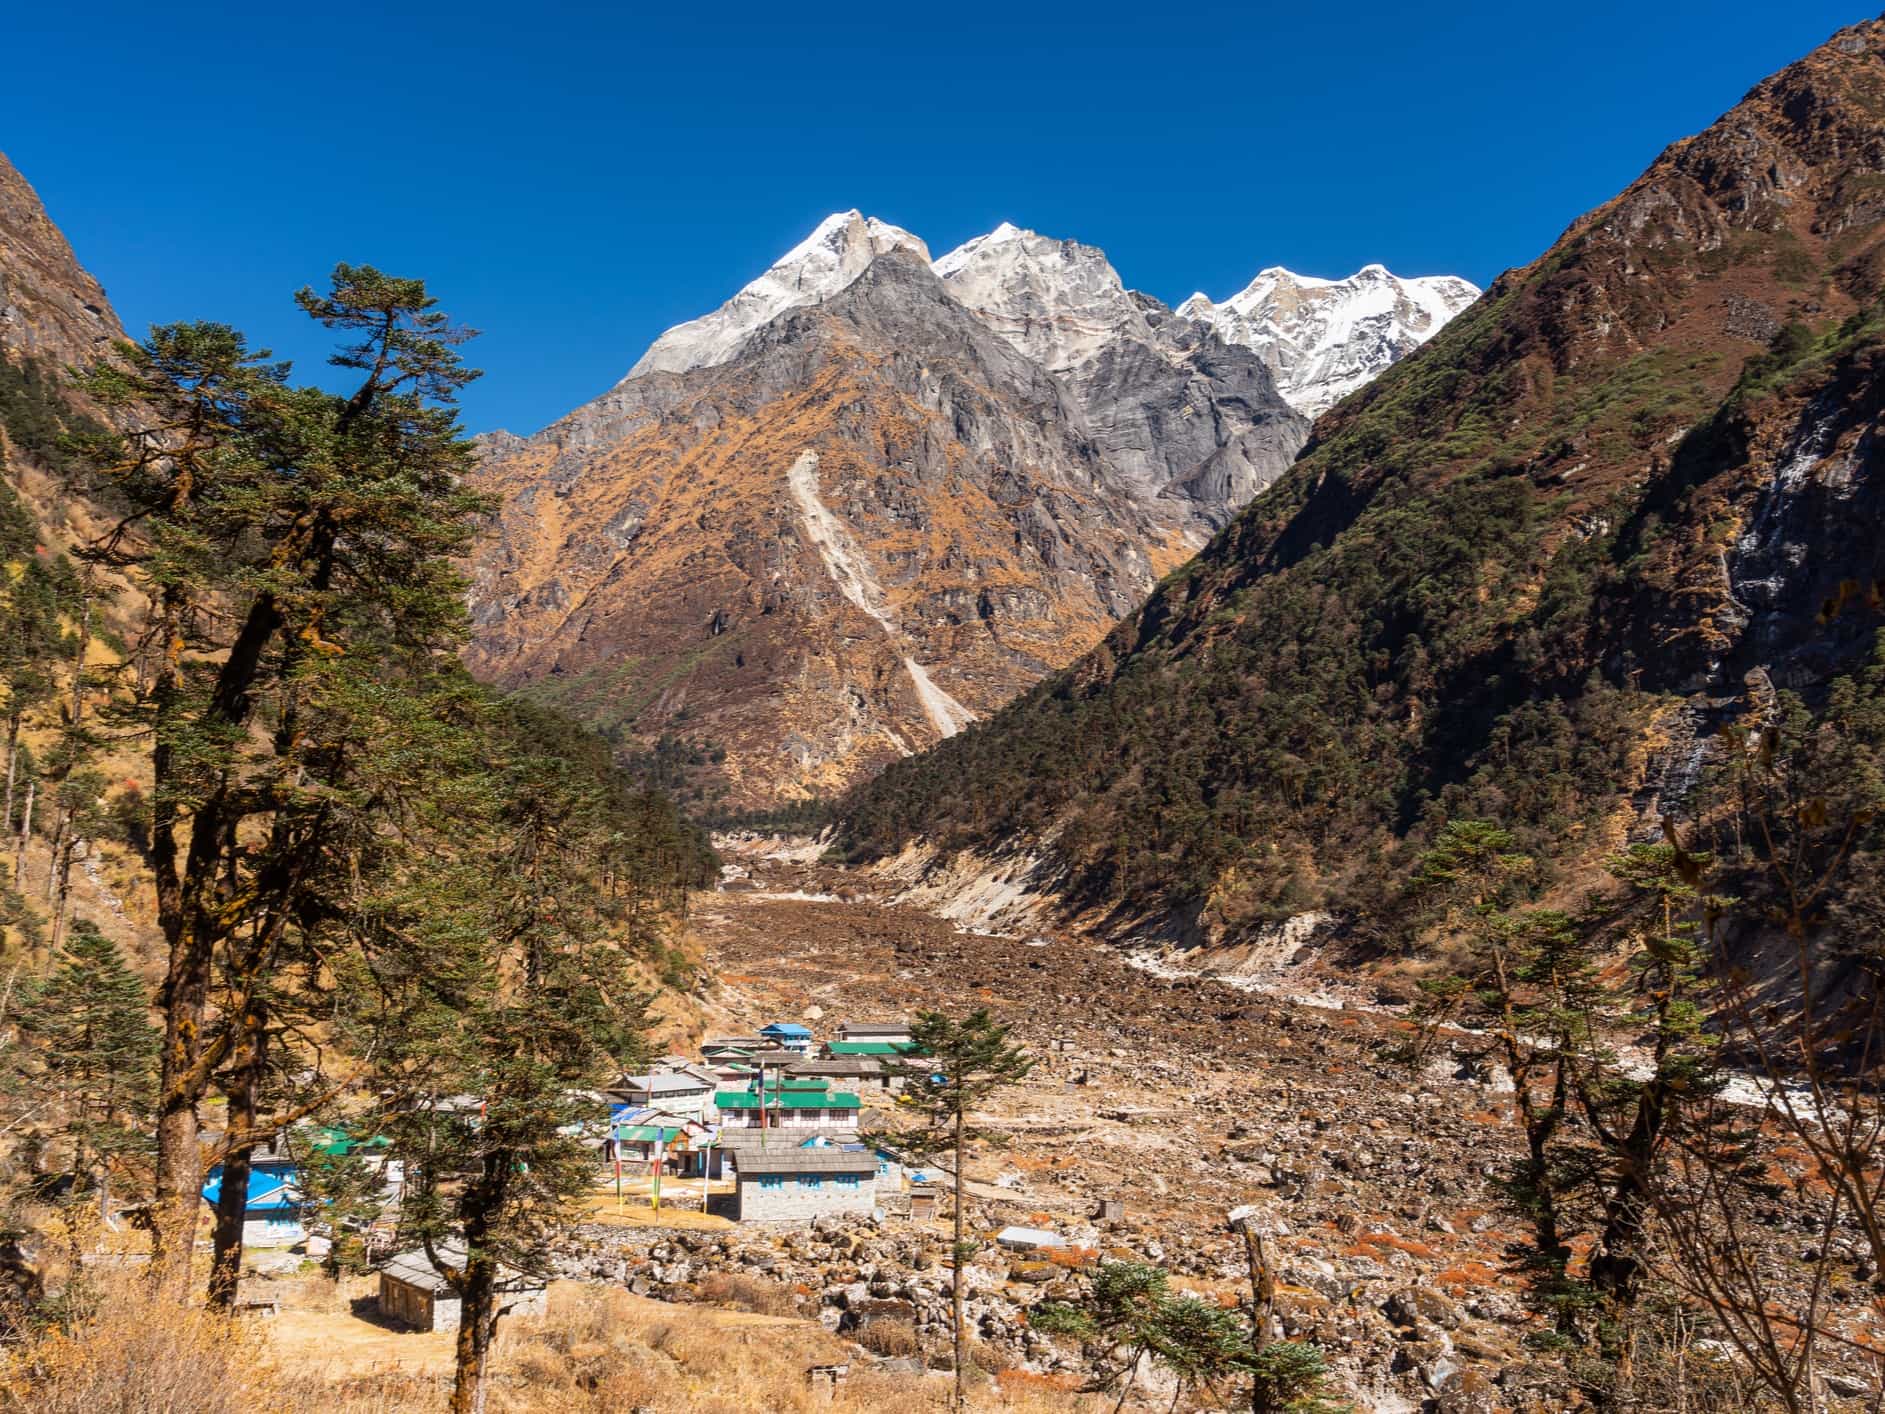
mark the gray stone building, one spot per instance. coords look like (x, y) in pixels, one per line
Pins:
(781, 1184)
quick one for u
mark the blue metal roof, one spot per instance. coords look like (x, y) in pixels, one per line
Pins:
(271, 1187)
(785, 1028)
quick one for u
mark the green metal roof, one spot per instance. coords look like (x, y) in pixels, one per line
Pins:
(795, 1082)
(330, 1141)
(646, 1134)
(871, 1048)
(789, 1100)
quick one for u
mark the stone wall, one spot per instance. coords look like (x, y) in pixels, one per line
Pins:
(794, 1201)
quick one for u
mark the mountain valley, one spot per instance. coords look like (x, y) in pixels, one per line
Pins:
(964, 838)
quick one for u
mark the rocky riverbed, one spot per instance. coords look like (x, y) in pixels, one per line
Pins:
(1178, 1099)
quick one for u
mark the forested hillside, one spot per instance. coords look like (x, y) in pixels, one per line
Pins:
(244, 762)
(1525, 577)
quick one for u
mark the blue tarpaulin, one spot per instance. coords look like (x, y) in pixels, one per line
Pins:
(269, 1188)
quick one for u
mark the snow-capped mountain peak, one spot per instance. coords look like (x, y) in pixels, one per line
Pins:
(837, 251)
(1063, 305)
(1323, 339)
(1059, 302)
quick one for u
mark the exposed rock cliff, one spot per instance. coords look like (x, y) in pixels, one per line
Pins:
(50, 308)
(1174, 409)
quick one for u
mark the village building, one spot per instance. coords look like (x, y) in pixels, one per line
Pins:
(782, 1183)
(715, 1046)
(795, 1109)
(681, 1065)
(754, 1057)
(271, 1212)
(789, 1036)
(716, 1152)
(882, 1050)
(874, 1031)
(683, 1094)
(856, 1072)
(413, 1292)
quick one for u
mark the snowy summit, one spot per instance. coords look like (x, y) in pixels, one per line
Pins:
(839, 250)
(1323, 339)
(1063, 305)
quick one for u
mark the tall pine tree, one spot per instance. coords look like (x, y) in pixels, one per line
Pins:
(95, 1053)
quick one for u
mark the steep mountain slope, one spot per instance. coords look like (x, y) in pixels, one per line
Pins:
(874, 523)
(865, 502)
(50, 308)
(1323, 339)
(1524, 575)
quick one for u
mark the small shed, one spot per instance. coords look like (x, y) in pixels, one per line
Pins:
(413, 1292)
(1028, 1239)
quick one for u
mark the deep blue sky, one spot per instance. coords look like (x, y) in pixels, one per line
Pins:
(572, 178)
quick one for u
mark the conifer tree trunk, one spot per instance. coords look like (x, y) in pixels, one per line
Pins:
(245, 1104)
(187, 899)
(955, 1283)
(58, 839)
(477, 1282)
(13, 762)
(477, 1324)
(85, 643)
(62, 896)
(26, 829)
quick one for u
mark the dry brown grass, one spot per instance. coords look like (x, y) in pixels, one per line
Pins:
(743, 1293)
(885, 1336)
(596, 1351)
(138, 1355)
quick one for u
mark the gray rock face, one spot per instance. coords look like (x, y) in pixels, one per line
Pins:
(1174, 410)
(50, 308)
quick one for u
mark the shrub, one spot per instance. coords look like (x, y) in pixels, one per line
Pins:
(136, 1354)
(743, 1293)
(885, 1336)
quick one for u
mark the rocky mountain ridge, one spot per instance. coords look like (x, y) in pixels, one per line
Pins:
(876, 521)
(957, 473)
